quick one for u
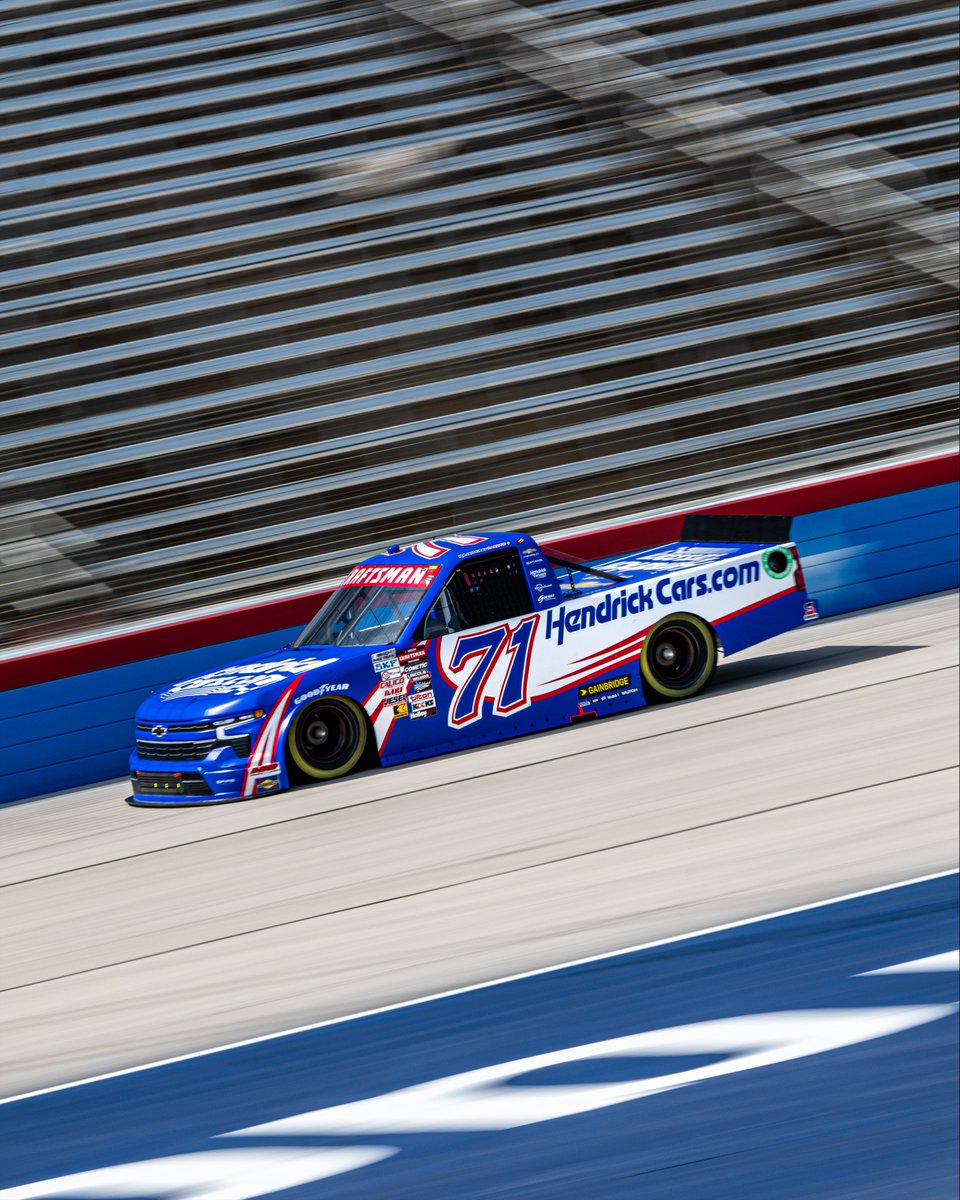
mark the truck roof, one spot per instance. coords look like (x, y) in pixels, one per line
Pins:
(447, 550)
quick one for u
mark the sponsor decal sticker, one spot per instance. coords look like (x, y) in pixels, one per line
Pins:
(565, 619)
(392, 575)
(268, 783)
(484, 549)
(414, 655)
(400, 710)
(250, 677)
(323, 689)
(611, 606)
(810, 610)
(417, 713)
(603, 686)
(385, 660)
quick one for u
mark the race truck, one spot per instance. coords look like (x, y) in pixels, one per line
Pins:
(461, 641)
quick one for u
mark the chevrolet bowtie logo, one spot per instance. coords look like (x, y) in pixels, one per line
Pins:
(158, 730)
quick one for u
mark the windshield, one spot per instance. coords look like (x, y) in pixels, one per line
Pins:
(362, 616)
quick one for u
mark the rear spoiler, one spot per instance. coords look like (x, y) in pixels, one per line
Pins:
(732, 527)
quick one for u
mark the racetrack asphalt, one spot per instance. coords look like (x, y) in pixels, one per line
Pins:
(820, 763)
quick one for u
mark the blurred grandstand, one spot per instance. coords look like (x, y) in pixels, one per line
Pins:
(281, 282)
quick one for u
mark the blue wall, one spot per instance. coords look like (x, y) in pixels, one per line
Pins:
(881, 550)
(854, 557)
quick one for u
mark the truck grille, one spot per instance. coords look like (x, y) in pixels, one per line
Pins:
(192, 751)
(180, 751)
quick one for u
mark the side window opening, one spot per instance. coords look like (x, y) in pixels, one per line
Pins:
(481, 592)
(577, 577)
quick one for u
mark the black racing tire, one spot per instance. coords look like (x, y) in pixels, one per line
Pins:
(328, 738)
(678, 659)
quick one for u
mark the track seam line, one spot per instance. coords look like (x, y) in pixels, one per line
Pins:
(445, 887)
(326, 812)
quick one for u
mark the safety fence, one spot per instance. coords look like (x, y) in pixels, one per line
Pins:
(66, 715)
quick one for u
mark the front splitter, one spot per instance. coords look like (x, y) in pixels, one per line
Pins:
(187, 801)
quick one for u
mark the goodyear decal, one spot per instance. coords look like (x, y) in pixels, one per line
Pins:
(323, 689)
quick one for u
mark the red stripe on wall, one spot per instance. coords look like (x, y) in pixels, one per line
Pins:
(189, 633)
(192, 633)
(786, 502)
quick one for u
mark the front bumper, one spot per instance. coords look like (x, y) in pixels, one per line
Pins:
(187, 764)
(173, 784)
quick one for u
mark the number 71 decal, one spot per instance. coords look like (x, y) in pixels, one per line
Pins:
(490, 664)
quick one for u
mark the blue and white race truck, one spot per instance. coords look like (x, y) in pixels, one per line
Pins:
(457, 642)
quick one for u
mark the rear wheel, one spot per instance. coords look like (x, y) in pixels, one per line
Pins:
(678, 659)
(328, 738)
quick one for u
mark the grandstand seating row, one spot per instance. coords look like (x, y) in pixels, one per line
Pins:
(281, 281)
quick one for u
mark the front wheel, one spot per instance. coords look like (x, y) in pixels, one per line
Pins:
(678, 658)
(328, 738)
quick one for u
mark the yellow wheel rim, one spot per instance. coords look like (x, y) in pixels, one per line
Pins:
(678, 658)
(328, 738)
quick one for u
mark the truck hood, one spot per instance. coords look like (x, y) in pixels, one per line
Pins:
(251, 683)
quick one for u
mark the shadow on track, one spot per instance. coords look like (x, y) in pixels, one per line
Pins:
(741, 674)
